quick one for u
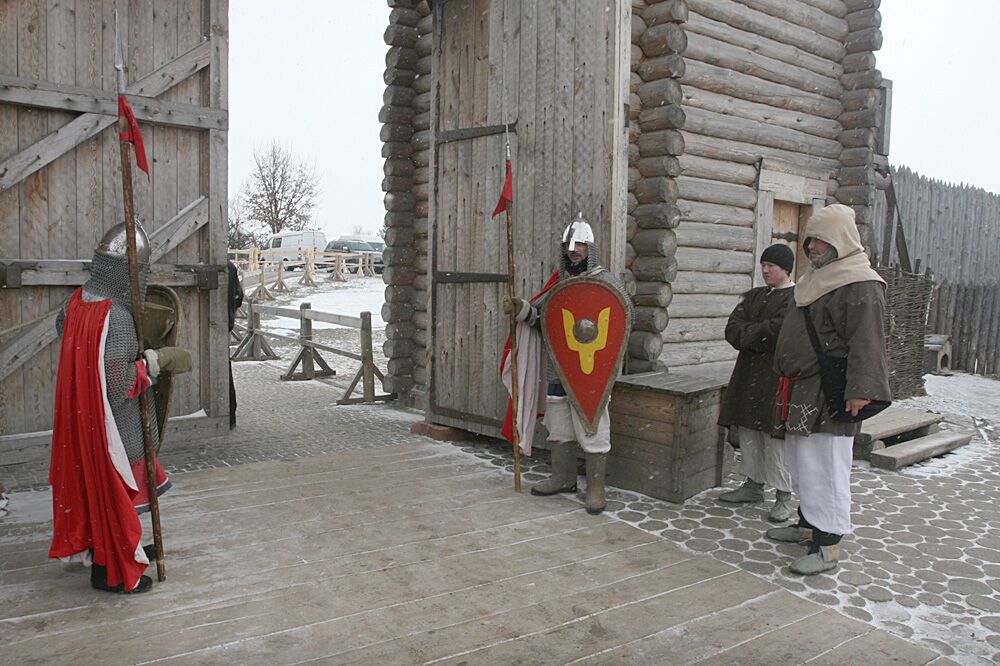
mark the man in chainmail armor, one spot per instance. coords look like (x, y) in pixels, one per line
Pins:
(97, 472)
(579, 257)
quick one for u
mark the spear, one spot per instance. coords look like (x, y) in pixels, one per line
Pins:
(506, 205)
(125, 134)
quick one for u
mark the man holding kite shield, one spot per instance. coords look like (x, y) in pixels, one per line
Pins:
(584, 316)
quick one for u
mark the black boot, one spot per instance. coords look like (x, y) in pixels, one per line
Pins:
(99, 581)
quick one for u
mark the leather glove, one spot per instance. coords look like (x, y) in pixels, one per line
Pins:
(517, 307)
(175, 360)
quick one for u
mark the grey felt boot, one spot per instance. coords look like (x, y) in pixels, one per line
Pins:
(750, 491)
(823, 559)
(790, 534)
(596, 464)
(563, 478)
(782, 509)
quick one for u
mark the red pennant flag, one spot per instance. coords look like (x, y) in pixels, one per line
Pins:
(133, 135)
(507, 194)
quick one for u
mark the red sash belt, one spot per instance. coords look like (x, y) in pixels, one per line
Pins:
(782, 396)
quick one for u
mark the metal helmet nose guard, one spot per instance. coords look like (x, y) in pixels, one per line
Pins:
(578, 231)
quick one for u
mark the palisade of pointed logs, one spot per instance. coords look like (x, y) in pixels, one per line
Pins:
(405, 135)
(655, 118)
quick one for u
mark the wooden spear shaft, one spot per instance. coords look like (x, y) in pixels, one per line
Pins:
(513, 350)
(133, 276)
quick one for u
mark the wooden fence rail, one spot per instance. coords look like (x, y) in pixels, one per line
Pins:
(255, 347)
(339, 264)
(970, 314)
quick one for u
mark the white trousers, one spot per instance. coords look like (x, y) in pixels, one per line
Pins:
(763, 459)
(821, 474)
(565, 425)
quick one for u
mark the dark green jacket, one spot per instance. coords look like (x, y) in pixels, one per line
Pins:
(753, 329)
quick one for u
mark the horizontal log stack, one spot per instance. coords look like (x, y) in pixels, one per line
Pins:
(655, 118)
(405, 117)
(762, 81)
(861, 115)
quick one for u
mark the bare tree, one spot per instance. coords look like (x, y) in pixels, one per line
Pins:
(358, 230)
(282, 191)
(244, 234)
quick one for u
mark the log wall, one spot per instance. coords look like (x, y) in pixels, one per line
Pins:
(60, 182)
(405, 117)
(768, 91)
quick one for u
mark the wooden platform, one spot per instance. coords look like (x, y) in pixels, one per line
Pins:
(407, 554)
(919, 449)
(893, 423)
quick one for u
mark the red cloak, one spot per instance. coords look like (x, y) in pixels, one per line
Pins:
(507, 430)
(93, 486)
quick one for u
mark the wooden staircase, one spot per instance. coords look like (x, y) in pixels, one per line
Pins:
(898, 437)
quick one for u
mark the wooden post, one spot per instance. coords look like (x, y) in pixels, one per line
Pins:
(306, 331)
(367, 358)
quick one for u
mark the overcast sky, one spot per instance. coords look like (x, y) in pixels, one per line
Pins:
(312, 79)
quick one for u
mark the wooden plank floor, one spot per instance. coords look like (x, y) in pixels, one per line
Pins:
(414, 553)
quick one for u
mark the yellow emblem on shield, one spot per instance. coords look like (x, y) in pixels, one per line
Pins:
(587, 350)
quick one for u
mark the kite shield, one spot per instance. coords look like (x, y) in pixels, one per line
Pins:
(586, 324)
(160, 323)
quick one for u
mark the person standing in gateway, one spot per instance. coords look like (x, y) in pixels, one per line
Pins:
(753, 329)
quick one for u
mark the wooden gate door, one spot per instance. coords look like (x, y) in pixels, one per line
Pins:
(468, 253)
(557, 73)
(788, 227)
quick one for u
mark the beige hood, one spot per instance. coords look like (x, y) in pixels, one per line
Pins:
(835, 225)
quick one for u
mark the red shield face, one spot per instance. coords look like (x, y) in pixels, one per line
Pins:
(586, 327)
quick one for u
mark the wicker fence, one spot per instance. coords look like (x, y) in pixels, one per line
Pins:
(907, 298)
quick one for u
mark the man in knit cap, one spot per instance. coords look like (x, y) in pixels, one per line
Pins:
(753, 329)
(837, 319)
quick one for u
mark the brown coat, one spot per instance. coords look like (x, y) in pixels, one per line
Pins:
(753, 329)
(849, 323)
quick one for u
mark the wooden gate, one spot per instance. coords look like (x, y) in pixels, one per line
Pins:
(60, 184)
(556, 72)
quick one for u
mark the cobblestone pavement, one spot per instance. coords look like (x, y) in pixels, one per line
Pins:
(275, 420)
(923, 563)
(924, 560)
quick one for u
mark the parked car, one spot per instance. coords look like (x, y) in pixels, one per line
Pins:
(354, 244)
(292, 245)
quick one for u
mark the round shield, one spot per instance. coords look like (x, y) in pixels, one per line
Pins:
(586, 325)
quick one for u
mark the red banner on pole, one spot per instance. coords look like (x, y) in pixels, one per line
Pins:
(133, 135)
(507, 194)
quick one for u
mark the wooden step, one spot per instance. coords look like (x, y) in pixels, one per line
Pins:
(916, 450)
(895, 421)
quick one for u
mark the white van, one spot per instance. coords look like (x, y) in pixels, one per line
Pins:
(289, 245)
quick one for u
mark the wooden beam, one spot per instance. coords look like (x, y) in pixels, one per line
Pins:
(61, 97)
(189, 220)
(18, 350)
(74, 272)
(18, 167)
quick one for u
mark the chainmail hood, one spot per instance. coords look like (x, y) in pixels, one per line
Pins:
(109, 279)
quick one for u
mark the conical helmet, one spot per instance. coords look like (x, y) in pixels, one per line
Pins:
(115, 242)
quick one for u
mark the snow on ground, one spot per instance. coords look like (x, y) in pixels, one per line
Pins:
(357, 295)
(351, 298)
